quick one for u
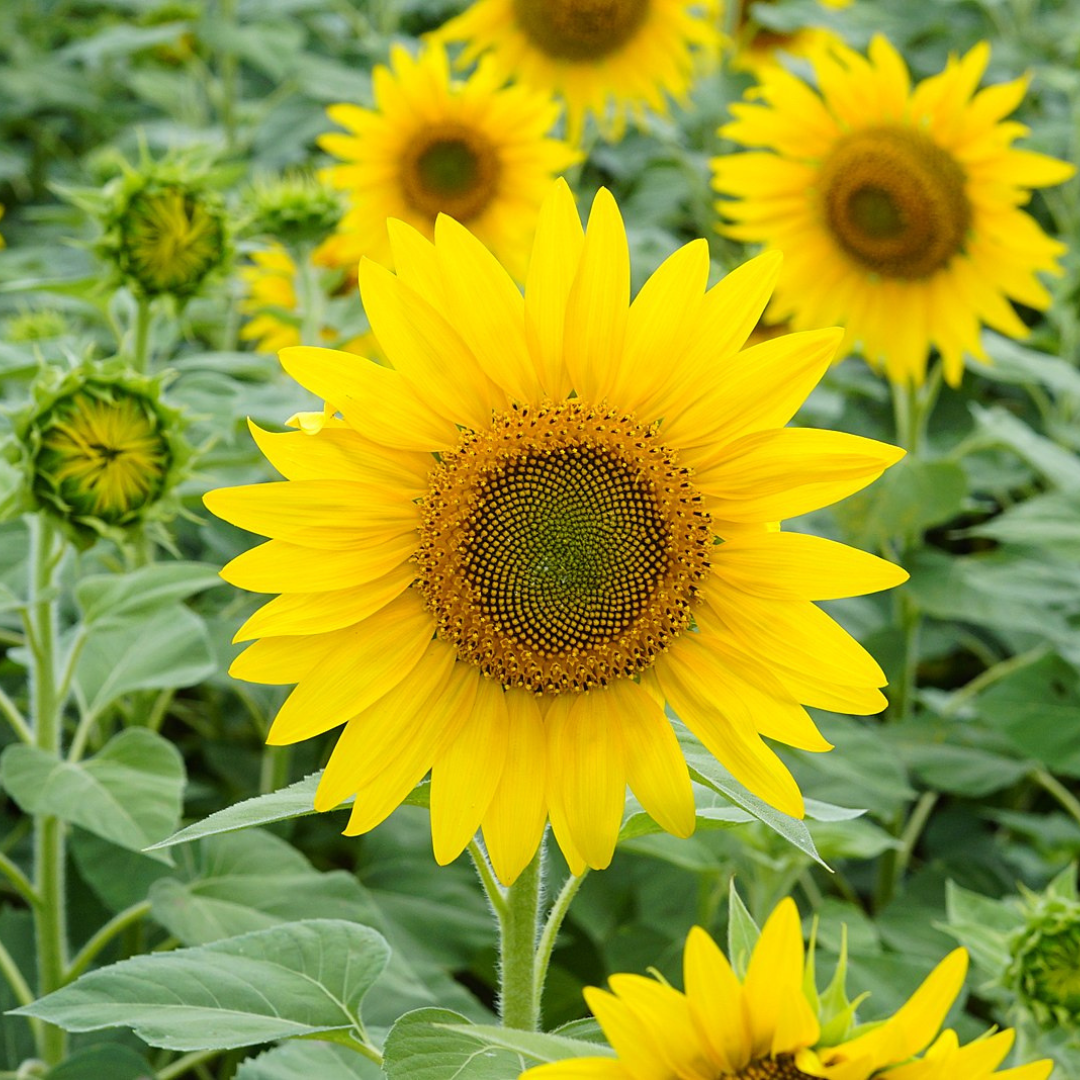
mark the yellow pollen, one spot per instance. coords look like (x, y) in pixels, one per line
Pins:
(561, 548)
(450, 169)
(578, 30)
(895, 201)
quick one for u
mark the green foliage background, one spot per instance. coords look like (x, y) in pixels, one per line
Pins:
(974, 791)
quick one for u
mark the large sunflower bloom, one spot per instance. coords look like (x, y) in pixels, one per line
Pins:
(504, 555)
(435, 145)
(764, 1026)
(604, 58)
(898, 209)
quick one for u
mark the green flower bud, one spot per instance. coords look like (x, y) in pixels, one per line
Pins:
(36, 324)
(294, 208)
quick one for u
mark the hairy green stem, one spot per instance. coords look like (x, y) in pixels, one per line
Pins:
(140, 353)
(16, 719)
(519, 998)
(1052, 786)
(50, 914)
(550, 933)
(187, 1063)
(19, 881)
(311, 298)
(496, 895)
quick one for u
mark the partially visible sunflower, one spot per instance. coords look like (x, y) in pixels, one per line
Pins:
(435, 145)
(506, 551)
(604, 58)
(764, 1026)
(759, 49)
(948, 1060)
(898, 209)
(272, 306)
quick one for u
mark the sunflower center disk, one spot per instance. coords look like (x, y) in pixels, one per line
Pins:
(895, 201)
(580, 29)
(562, 548)
(451, 170)
(779, 1068)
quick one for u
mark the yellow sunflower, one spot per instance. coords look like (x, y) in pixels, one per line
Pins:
(764, 1026)
(760, 49)
(272, 306)
(898, 209)
(435, 145)
(948, 1060)
(604, 58)
(506, 550)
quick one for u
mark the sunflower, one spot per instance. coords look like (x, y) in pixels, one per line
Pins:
(764, 1026)
(604, 58)
(948, 1060)
(505, 551)
(433, 145)
(759, 49)
(898, 209)
(272, 306)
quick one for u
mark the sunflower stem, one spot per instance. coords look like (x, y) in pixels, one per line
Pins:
(519, 995)
(50, 914)
(310, 296)
(550, 933)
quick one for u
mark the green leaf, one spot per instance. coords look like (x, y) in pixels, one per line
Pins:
(107, 1060)
(113, 599)
(533, 1045)
(1015, 363)
(170, 649)
(1050, 522)
(743, 932)
(981, 925)
(999, 427)
(910, 498)
(298, 979)
(705, 769)
(422, 1045)
(300, 1060)
(962, 770)
(716, 817)
(296, 800)
(129, 793)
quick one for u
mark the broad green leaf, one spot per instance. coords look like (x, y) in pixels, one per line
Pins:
(912, 496)
(109, 1060)
(858, 839)
(962, 770)
(1017, 364)
(535, 1046)
(716, 817)
(293, 980)
(169, 649)
(130, 793)
(308, 1060)
(705, 769)
(112, 599)
(981, 925)
(296, 800)
(422, 1045)
(999, 427)
(1050, 522)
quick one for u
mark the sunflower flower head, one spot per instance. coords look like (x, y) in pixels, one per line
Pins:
(897, 207)
(471, 148)
(759, 48)
(295, 209)
(165, 230)
(552, 513)
(1044, 951)
(608, 59)
(763, 1024)
(102, 452)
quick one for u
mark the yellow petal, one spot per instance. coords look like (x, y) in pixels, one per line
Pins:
(374, 400)
(367, 661)
(715, 997)
(331, 514)
(776, 965)
(495, 329)
(514, 823)
(320, 612)
(587, 743)
(280, 567)
(786, 565)
(342, 454)
(773, 475)
(552, 268)
(467, 770)
(426, 349)
(596, 309)
(655, 767)
(556, 714)
(282, 660)
(597, 1068)
(385, 750)
(415, 261)
(689, 673)
(636, 1050)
